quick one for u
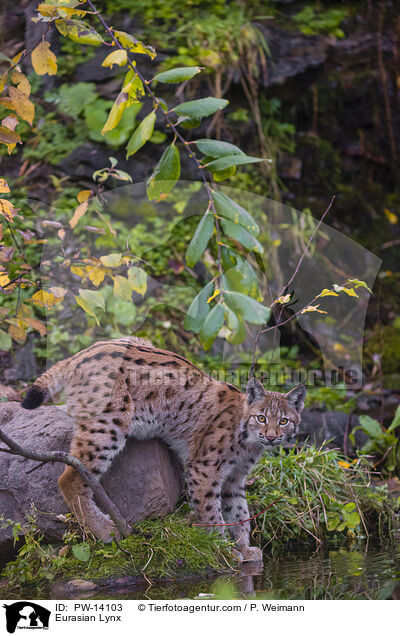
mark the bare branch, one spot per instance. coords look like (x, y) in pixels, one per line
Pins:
(59, 456)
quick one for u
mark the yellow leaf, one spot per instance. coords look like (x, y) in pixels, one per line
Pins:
(4, 186)
(350, 292)
(78, 214)
(52, 10)
(312, 308)
(216, 292)
(116, 57)
(111, 260)
(44, 61)
(327, 292)
(45, 299)
(17, 332)
(282, 299)
(22, 83)
(96, 275)
(4, 279)
(391, 216)
(7, 209)
(343, 464)
(117, 110)
(132, 44)
(79, 271)
(23, 107)
(83, 195)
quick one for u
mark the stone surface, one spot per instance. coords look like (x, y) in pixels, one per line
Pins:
(143, 481)
(334, 426)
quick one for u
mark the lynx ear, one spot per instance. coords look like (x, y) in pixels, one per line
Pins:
(296, 397)
(254, 390)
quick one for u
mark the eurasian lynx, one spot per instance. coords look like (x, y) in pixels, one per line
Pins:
(127, 388)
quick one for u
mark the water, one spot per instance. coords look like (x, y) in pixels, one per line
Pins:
(335, 574)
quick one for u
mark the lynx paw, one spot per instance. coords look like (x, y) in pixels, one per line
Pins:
(106, 531)
(252, 554)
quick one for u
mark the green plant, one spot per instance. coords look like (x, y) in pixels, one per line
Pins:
(383, 444)
(311, 21)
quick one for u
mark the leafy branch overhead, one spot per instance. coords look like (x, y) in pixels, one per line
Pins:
(232, 297)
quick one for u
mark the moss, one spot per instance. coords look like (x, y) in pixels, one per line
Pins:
(385, 341)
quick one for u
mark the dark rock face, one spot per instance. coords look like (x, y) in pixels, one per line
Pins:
(334, 426)
(143, 481)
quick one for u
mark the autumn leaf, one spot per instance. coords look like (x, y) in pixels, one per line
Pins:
(22, 83)
(4, 279)
(23, 107)
(282, 299)
(4, 186)
(216, 292)
(7, 209)
(119, 57)
(45, 299)
(78, 214)
(44, 61)
(327, 292)
(17, 332)
(37, 325)
(313, 308)
(96, 274)
(83, 195)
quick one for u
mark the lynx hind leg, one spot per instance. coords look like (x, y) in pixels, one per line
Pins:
(95, 444)
(204, 490)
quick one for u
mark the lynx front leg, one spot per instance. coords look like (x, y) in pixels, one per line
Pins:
(95, 444)
(235, 510)
(204, 491)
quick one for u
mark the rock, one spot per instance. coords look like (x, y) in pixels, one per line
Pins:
(143, 481)
(7, 393)
(318, 426)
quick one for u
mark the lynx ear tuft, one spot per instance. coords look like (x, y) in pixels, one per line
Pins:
(296, 397)
(254, 390)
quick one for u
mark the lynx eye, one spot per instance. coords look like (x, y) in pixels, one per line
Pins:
(283, 421)
(261, 418)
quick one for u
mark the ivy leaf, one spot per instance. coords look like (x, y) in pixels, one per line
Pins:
(231, 160)
(176, 75)
(199, 108)
(238, 233)
(43, 59)
(200, 239)
(141, 135)
(234, 212)
(249, 309)
(211, 326)
(216, 149)
(165, 175)
(198, 310)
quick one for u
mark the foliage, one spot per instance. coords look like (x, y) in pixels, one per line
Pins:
(310, 21)
(163, 547)
(383, 443)
(331, 398)
(321, 497)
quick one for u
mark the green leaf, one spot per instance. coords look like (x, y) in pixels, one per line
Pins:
(234, 212)
(176, 75)
(81, 551)
(396, 420)
(122, 288)
(238, 233)
(79, 31)
(199, 108)
(249, 309)
(141, 135)
(90, 301)
(371, 427)
(222, 175)
(231, 160)
(165, 175)
(5, 341)
(138, 280)
(199, 309)
(124, 312)
(217, 149)
(211, 326)
(242, 278)
(111, 260)
(200, 239)
(238, 336)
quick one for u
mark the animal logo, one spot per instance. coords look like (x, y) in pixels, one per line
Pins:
(26, 615)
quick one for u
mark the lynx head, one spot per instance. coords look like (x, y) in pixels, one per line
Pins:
(272, 418)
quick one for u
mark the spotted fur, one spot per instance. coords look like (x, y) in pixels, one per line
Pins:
(127, 388)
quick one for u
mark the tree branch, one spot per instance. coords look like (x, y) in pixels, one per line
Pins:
(59, 456)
